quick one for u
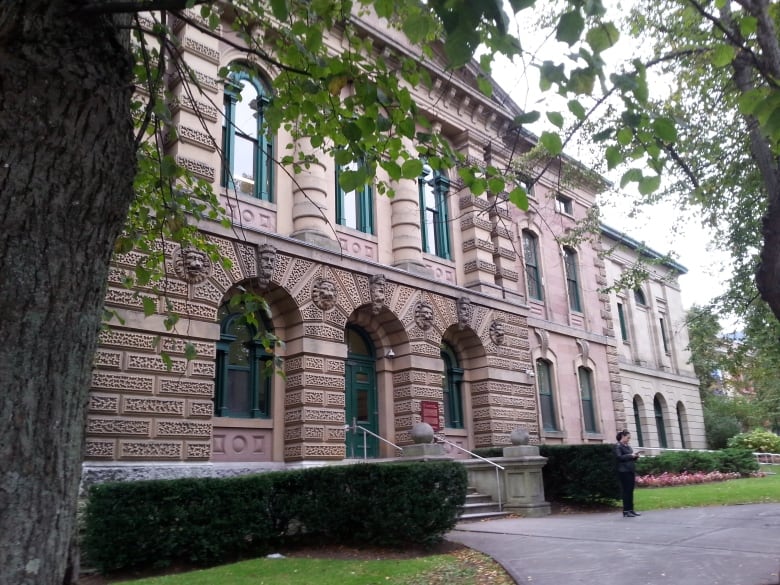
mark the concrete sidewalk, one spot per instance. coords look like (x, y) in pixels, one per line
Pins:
(725, 545)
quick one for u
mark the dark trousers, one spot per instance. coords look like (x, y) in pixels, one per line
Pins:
(627, 487)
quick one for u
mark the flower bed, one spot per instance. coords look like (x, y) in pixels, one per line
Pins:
(672, 479)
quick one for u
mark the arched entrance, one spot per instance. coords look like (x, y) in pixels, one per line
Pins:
(361, 394)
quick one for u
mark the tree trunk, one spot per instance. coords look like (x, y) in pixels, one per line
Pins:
(66, 172)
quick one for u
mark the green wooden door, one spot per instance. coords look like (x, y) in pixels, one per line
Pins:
(361, 397)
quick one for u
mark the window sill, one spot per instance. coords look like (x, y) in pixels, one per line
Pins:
(556, 434)
(254, 423)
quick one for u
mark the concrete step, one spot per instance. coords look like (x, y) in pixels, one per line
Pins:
(479, 507)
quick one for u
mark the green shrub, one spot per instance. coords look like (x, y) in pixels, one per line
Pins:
(737, 460)
(207, 521)
(580, 473)
(757, 441)
(678, 462)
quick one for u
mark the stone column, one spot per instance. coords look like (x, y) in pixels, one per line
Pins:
(310, 220)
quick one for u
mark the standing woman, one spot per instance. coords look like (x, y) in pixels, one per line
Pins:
(626, 471)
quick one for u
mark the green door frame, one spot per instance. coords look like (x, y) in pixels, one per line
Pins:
(361, 400)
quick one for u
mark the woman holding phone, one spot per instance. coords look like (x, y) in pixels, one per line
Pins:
(626, 458)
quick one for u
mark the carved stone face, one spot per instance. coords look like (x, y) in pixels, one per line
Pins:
(377, 289)
(423, 315)
(324, 294)
(497, 332)
(192, 265)
(465, 311)
(266, 262)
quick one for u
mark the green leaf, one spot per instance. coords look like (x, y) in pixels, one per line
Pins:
(393, 170)
(150, 306)
(630, 176)
(496, 185)
(570, 27)
(552, 142)
(577, 109)
(613, 156)
(648, 185)
(556, 119)
(602, 37)
(748, 26)
(603, 135)
(665, 129)
(519, 197)
(279, 9)
(484, 85)
(416, 29)
(527, 118)
(351, 180)
(412, 169)
(190, 352)
(723, 55)
(624, 136)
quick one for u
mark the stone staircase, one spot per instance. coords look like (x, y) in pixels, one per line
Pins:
(480, 507)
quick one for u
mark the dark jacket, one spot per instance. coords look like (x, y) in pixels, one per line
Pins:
(625, 458)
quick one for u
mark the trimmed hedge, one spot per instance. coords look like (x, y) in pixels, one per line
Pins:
(207, 521)
(580, 473)
(727, 461)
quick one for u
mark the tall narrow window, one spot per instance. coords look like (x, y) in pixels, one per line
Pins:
(664, 337)
(433, 212)
(572, 281)
(564, 205)
(532, 273)
(638, 422)
(639, 297)
(622, 320)
(247, 151)
(355, 209)
(244, 369)
(681, 424)
(586, 396)
(452, 381)
(546, 399)
(659, 422)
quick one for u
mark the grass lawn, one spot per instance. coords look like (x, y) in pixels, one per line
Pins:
(457, 567)
(752, 490)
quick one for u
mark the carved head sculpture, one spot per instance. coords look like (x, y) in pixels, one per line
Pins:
(465, 311)
(423, 315)
(377, 289)
(323, 293)
(497, 332)
(192, 265)
(266, 262)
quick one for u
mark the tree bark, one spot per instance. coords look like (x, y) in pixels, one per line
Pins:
(66, 170)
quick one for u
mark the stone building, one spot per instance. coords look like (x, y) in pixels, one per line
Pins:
(434, 305)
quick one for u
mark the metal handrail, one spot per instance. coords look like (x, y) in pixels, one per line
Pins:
(355, 427)
(493, 463)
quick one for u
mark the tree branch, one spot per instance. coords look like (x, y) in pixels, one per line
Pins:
(134, 6)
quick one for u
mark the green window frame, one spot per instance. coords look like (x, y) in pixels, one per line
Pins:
(680, 424)
(586, 397)
(659, 422)
(434, 221)
(452, 387)
(532, 273)
(247, 150)
(355, 209)
(546, 398)
(244, 369)
(638, 423)
(664, 336)
(622, 321)
(572, 279)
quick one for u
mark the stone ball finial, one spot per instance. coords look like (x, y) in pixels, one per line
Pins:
(520, 437)
(422, 432)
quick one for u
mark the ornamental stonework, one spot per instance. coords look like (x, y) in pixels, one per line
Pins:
(183, 102)
(182, 428)
(192, 265)
(322, 331)
(176, 345)
(122, 382)
(335, 434)
(198, 48)
(197, 168)
(118, 426)
(102, 403)
(195, 137)
(150, 449)
(425, 349)
(324, 293)
(297, 272)
(186, 387)
(193, 310)
(107, 359)
(126, 298)
(134, 405)
(198, 450)
(377, 288)
(350, 288)
(200, 408)
(155, 363)
(203, 369)
(126, 339)
(96, 449)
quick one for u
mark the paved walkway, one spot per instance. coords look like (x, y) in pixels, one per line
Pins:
(725, 545)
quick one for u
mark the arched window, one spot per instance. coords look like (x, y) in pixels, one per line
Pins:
(639, 297)
(546, 398)
(572, 278)
(452, 381)
(355, 209)
(681, 424)
(586, 397)
(247, 151)
(638, 422)
(659, 422)
(533, 275)
(433, 188)
(244, 369)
